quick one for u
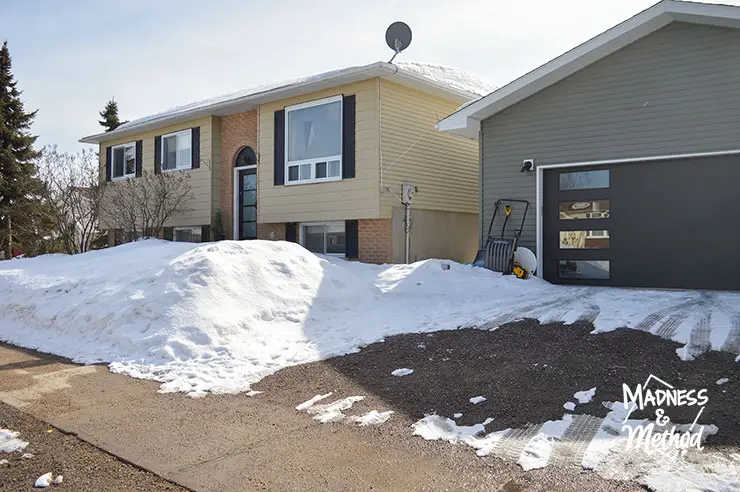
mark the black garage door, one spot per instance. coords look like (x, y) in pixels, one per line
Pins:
(672, 224)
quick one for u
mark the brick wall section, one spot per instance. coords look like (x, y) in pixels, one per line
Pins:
(237, 131)
(375, 240)
(273, 231)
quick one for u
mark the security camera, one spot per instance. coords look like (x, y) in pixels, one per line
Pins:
(527, 166)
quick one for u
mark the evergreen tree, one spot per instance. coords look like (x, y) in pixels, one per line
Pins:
(110, 116)
(19, 185)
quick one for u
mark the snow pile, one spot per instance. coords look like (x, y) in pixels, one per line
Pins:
(43, 481)
(9, 442)
(221, 316)
(453, 77)
(402, 372)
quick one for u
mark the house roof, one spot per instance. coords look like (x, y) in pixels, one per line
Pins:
(457, 85)
(466, 120)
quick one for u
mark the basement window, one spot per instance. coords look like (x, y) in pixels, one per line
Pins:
(187, 234)
(326, 238)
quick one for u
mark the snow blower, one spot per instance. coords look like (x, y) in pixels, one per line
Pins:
(498, 253)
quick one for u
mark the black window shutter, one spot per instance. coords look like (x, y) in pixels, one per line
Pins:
(168, 233)
(279, 149)
(348, 137)
(139, 152)
(195, 146)
(108, 164)
(158, 154)
(291, 232)
(205, 233)
(351, 241)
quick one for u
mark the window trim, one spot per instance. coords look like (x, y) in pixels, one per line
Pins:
(113, 161)
(303, 225)
(288, 163)
(189, 132)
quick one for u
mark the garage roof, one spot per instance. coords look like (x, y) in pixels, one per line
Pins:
(466, 120)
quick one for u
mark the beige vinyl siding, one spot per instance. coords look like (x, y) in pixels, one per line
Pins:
(353, 198)
(201, 181)
(216, 165)
(444, 167)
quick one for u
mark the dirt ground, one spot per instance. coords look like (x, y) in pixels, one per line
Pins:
(525, 370)
(83, 466)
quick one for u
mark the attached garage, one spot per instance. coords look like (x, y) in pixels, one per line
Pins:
(628, 149)
(669, 223)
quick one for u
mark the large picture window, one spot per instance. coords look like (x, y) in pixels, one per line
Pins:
(176, 151)
(124, 160)
(324, 238)
(313, 143)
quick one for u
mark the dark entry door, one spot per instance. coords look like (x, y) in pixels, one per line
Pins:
(247, 204)
(668, 224)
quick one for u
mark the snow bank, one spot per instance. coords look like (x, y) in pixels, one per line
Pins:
(220, 316)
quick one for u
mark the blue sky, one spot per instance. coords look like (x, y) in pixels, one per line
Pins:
(70, 57)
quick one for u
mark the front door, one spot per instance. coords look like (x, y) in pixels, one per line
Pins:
(247, 203)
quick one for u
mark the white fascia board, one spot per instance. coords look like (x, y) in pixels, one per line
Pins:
(629, 31)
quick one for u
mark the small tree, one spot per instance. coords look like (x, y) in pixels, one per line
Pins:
(141, 206)
(19, 186)
(110, 116)
(217, 226)
(74, 197)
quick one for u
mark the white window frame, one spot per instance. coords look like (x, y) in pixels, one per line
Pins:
(192, 229)
(302, 234)
(113, 161)
(189, 132)
(313, 162)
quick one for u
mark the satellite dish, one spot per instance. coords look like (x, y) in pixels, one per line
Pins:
(526, 259)
(398, 37)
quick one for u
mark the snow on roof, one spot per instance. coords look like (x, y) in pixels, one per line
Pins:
(450, 81)
(453, 77)
(225, 98)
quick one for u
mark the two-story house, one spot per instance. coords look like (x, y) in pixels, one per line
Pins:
(320, 161)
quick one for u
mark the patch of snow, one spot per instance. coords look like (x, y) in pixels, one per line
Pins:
(452, 77)
(43, 481)
(4, 462)
(477, 399)
(723, 381)
(373, 417)
(402, 372)
(536, 454)
(251, 393)
(27, 456)
(332, 412)
(684, 353)
(585, 396)
(9, 442)
(309, 403)
(457, 415)
(569, 405)
(59, 479)
(434, 427)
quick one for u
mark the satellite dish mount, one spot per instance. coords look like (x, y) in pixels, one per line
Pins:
(398, 38)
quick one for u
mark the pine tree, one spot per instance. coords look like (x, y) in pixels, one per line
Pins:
(110, 116)
(19, 185)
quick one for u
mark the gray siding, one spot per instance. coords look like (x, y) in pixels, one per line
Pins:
(674, 91)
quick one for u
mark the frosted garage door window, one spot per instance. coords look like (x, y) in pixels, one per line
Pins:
(584, 180)
(584, 239)
(584, 269)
